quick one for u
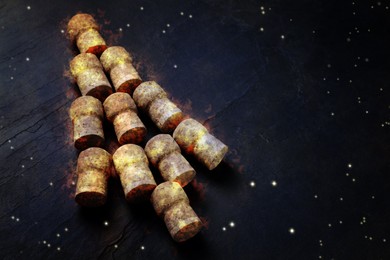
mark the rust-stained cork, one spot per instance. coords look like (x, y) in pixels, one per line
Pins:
(171, 202)
(84, 31)
(93, 171)
(164, 154)
(193, 138)
(122, 112)
(86, 114)
(118, 63)
(90, 77)
(150, 97)
(132, 166)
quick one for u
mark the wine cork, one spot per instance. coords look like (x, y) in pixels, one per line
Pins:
(118, 63)
(122, 112)
(84, 31)
(86, 114)
(132, 167)
(171, 202)
(193, 138)
(150, 97)
(93, 171)
(164, 154)
(90, 77)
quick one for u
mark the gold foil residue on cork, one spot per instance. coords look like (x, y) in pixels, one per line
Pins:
(86, 114)
(89, 75)
(193, 138)
(151, 97)
(171, 202)
(132, 166)
(164, 154)
(93, 171)
(84, 31)
(122, 112)
(118, 63)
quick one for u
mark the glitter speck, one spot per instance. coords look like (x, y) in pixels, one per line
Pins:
(58, 235)
(58, 248)
(106, 223)
(291, 230)
(22, 165)
(175, 66)
(50, 183)
(316, 196)
(11, 147)
(349, 165)
(120, 29)
(62, 31)
(168, 25)
(44, 242)
(252, 184)
(48, 245)
(31, 158)
(27, 59)
(141, 8)
(190, 16)
(116, 246)
(223, 228)
(282, 37)
(142, 248)
(66, 229)
(128, 25)
(12, 217)
(181, 13)
(274, 183)
(28, 7)
(261, 29)
(232, 224)
(163, 31)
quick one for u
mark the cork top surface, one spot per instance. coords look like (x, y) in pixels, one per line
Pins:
(79, 23)
(159, 146)
(86, 106)
(113, 56)
(146, 92)
(117, 103)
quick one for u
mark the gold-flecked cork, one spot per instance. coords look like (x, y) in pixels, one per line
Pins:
(86, 114)
(122, 112)
(164, 154)
(132, 166)
(118, 62)
(93, 171)
(150, 97)
(193, 138)
(84, 31)
(171, 202)
(90, 77)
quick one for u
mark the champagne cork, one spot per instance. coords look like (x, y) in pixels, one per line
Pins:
(84, 31)
(122, 112)
(150, 97)
(164, 154)
(132, 167)
(90, 77)
(93, 171)
(86, 114)
(193, 138)
(171, 202)
(118, 63)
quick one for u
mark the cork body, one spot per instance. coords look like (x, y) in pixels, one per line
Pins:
(194, 139)
(164, 154)
(93, 170)
(86, 114)
(171, 202)
(84, 31)
(118, 62)
(150, 97)
(122, 112)
(90, 77)
(132, 167)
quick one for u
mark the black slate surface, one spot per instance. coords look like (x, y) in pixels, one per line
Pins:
(299, 90)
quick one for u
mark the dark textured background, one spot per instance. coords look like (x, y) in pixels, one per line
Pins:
(300, 93)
